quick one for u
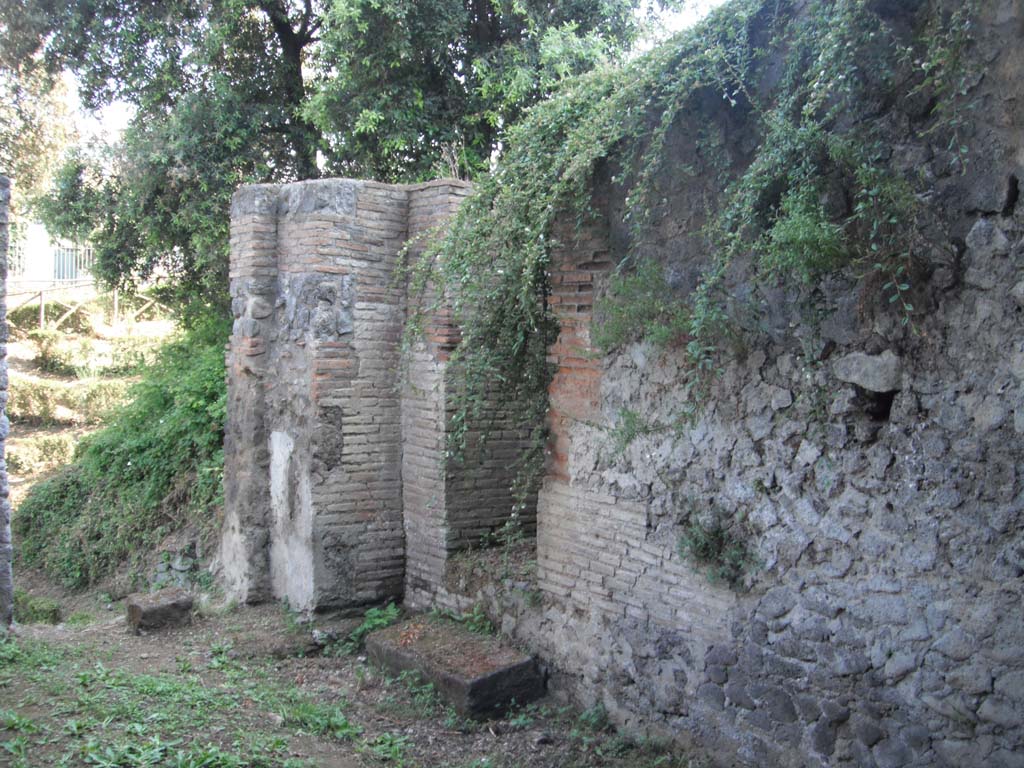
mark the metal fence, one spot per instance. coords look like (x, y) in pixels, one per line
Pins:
(36, 261)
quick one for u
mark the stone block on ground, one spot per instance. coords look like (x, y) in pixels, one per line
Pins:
(170, 607)
(477, 674)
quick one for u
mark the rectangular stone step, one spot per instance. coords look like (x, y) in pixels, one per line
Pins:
(477, 674)
(168, 607)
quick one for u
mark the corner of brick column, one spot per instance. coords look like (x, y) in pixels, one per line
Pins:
(254, 288)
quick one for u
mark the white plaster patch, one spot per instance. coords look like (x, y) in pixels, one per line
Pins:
(234, 555)
(291, 539)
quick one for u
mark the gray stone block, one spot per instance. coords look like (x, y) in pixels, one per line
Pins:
(875, 373)
(477, 674)
(170, 607)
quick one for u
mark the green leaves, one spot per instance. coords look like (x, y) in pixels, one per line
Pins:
(111, 504)
(812, 194)
(412, 82)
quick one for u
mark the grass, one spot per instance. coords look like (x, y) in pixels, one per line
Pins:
(104, 716)
(86, 703)
(33, 609)
(38, 400)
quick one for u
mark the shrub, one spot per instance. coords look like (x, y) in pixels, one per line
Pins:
(157, 466)
(720, 545)
(31, 609)
(374, 619)
(52, 354)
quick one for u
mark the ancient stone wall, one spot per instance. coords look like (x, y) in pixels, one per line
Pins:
(878, 467)
(6, 549)
(879, 471)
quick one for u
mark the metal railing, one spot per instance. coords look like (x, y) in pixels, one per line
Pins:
(37, 262)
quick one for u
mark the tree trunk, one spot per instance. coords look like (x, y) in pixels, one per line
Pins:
(6, 548)
(302, 135)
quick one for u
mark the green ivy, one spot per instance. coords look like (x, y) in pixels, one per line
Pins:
(835, 55)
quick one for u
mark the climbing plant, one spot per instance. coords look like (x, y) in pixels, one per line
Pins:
(832, 58)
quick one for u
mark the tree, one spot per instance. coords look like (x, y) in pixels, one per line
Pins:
(421, 87)
(216, 88)
(233, 91)
(35, 129)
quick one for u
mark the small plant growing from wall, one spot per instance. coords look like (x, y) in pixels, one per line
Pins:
(718, 543)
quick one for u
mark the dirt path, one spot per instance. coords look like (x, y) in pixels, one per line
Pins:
(249, 687)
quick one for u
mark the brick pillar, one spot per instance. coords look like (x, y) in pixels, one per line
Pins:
(563, 510)
(313, 448)
(6, 549)
(450, 503)
(338, 490)
(254, 294)
(425, 410)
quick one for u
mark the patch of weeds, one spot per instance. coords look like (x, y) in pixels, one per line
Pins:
(220, 655)
(209, 756)
(32, 609)
(27, 655)
(373, 619)
(17, 748)
(12, 721)
(423, 693)
(388, 748)
(640, 304)
(477, 621)
(720, 545)
(77, 729)
(320, 720)
(127, 753)
(628, 428)
(259, 743)
(80, 619)
(204, 581)
(523, 717)
(294, 621)
(593, 720)
(423, 699)
(453, 721)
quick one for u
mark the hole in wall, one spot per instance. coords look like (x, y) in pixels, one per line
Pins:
(1012, 195)
(878, 405)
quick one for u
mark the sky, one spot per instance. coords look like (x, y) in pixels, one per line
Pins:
(694, 11)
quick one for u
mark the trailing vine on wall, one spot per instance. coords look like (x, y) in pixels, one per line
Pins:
(835, 57)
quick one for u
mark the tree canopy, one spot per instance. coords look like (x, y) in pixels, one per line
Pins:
(233, 91)
(35, 129)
